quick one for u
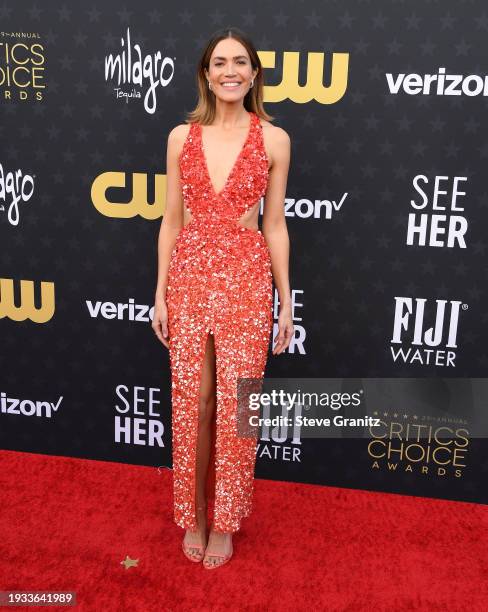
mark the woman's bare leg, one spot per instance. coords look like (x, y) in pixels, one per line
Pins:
(207, 403)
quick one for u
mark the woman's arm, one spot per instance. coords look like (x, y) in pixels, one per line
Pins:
(170, 227)
(173, 215)
(276, 233)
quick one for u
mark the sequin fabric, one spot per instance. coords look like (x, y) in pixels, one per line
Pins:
(219, 282)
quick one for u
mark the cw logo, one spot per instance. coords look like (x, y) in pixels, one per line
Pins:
(138, 204)
(27, 308)
(314, 89)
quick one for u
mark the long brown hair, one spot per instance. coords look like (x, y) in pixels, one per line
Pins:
(204, 111)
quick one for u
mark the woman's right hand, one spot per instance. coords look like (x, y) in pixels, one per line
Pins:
(160, 321)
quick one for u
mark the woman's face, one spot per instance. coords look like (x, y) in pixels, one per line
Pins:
(230, 63)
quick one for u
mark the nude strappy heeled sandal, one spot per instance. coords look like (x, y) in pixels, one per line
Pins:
(225, 558)
(200, 547)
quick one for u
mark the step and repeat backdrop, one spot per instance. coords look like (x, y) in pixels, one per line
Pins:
(386, 207)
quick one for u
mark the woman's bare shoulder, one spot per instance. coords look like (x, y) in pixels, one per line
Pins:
(277, 135)
(177, 136)
(179, 132)
(275, 139)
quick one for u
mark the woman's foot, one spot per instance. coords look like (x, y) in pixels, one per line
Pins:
(219, 549)
(194, 542)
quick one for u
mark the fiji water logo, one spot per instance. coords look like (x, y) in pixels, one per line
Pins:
(433, 345)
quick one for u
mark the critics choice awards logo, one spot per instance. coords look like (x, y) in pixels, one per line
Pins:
(423, 445)
(22, 66)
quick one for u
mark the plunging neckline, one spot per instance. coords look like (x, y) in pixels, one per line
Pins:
(232, 170)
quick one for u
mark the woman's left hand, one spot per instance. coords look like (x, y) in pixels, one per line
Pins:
(285, 330)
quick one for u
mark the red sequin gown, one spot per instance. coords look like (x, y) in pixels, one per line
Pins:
(219, 282)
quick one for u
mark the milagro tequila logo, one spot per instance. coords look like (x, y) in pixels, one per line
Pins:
(15, 187)
(445, 228)
(409, 332)
(130, 68)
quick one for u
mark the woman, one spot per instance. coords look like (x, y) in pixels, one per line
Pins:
(213, 305)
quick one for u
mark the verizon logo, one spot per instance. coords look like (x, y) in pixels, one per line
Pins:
(439, 84)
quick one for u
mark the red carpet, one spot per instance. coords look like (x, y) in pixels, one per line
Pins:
(68, 523)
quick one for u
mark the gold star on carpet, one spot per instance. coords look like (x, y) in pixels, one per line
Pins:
(128, 562)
